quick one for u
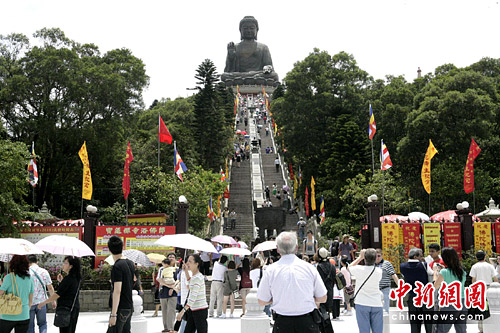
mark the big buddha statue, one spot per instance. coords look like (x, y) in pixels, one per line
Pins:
(249, 62)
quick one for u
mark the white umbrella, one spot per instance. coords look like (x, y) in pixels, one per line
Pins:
(243, 245)
(186, 241)
(65, 245)
(265, 246)
(138, 257)
(18, 246)
(415, 216)
(223, 239)
(237, 251)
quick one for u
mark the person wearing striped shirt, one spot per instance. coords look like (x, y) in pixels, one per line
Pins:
(196, 308)
(385, 282)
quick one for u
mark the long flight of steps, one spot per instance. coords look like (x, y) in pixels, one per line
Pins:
(240, 198)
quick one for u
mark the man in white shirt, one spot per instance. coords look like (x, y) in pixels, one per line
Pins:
(216, 289)
(369, 308)
(42, 282)
(294, 310)
(482, 271)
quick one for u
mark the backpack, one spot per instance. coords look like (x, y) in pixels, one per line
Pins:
(340, 280)
(335, 249)
(245, 280)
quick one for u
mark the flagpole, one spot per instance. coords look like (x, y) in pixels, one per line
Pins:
(474, 201)
(126, 212)
(159, 182)
(383, 193)
(158, 141)
(373, 158)
(429, 204)
(34, 204)
(175, 183)
(81, 214)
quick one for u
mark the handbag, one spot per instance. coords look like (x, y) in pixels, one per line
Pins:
(11, 304)
(349, 289)
(63, 313)
(357, 292)
(236, 294)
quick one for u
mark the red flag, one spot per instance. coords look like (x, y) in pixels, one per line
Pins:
(474, 150)
(291, 170)
(306, 203)
(163, 132)
(126, 175)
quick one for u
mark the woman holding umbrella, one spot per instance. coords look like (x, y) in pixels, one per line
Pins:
(67, 292)
(20, 284)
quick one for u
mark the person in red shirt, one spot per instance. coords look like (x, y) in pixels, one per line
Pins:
(435, 258)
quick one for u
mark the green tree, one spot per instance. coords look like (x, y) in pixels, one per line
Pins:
(211, 122)
(60, 94)
(14, 185)
(158, 192)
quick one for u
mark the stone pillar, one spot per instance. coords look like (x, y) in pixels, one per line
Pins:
(90, 222)
(254, 320)
(387, 323)
(138, 322)
(492, 324)
(374, 225)
(182, 226)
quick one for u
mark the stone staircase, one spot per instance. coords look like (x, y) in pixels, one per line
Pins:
(240, 198)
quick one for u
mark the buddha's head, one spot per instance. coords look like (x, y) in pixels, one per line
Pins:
(249, 28)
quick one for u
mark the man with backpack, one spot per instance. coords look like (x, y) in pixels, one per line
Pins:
(42, 282)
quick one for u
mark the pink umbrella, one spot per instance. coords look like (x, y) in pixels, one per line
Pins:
(222, 239)
(393, 218)
(243, 133)
(449, 216)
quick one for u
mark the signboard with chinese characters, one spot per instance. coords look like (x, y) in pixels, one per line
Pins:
(411, 236)
(134, 237)
(482, 236)
(390, 242)
(432, 234)
(453, 236)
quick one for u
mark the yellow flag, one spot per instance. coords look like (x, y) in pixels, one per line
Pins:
(313, 194)
(275, 129)
(218, 205)
(426, 167)
(295, 186)
(87, 178)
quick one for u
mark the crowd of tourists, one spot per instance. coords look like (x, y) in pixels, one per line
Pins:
(324, 281)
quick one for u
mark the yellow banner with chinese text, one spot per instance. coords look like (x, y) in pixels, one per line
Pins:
(482, 236)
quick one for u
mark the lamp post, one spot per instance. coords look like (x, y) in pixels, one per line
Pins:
(465, 217)
(89, 224)
(182, 226)
(371, 237)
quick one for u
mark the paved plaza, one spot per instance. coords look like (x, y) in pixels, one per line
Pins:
(97, 321)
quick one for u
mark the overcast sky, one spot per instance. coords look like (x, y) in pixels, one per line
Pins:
(174, 37)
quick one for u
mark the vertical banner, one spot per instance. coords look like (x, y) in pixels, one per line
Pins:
(453, 236)
(432, 234)
(87, 178)
(390, 239)
(411, 236)
(497, 236)
(482, 236)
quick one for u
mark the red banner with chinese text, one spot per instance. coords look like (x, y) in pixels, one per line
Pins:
(496, 226)
(134, 237)
(453, 236)
(411, 236)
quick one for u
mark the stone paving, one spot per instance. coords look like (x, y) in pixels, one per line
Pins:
(97, 322)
